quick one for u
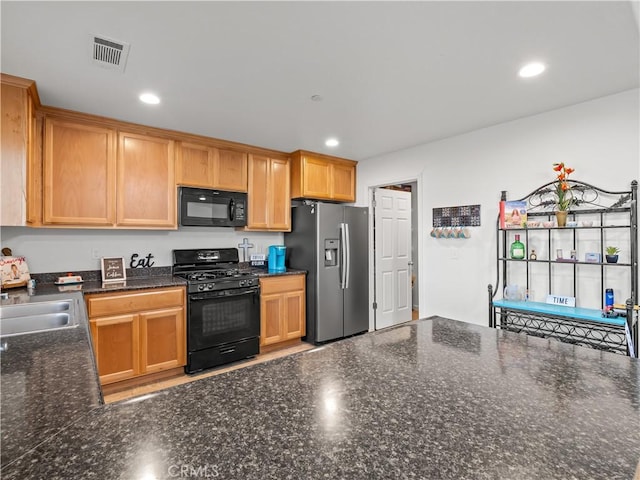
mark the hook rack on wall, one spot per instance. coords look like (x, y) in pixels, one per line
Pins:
(447, 232)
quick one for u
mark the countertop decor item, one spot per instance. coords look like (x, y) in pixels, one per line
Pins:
(113, 269)
(14, 272)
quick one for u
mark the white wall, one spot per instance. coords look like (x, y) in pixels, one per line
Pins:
(62, 250)
(599, 138)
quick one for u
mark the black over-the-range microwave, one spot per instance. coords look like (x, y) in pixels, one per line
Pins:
(201, 207)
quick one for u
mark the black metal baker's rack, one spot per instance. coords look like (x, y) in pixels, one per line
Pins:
(574, 325)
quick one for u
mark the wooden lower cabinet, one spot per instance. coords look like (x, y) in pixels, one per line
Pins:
(162, 340)
(116, 345)
(282, 308)
(137, 333)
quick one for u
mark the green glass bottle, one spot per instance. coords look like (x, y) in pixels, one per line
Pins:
(517, 249)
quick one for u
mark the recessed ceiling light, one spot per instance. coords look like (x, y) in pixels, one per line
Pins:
(332, 142)
(532, 69)
(149, 98)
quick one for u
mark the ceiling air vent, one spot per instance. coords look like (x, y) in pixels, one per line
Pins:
(109, 53)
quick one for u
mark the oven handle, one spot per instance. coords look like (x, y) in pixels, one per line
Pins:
(197, 297)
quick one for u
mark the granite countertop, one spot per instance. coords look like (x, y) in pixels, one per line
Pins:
(49, 380)
(430, 399)
(137, 279)
(261, 272)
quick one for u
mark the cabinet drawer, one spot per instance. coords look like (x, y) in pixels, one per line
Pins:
(99, 305)
(284, 283)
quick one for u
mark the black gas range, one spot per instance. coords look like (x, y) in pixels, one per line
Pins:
(223, 307)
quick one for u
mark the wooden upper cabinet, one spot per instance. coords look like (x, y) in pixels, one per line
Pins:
(146, 192)
(96, 176)
(258, 210)
(194, 165)
(18, 99)
(269, 203)
(322, 177)
(230, 171)
(316, 181)
(279, 200)
(343, 182)
(79, 173)
(208, 167)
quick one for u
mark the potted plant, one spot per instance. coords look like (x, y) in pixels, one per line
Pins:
(612, 254)
(563, 192)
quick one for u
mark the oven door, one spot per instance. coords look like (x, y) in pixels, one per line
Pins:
(216, 318)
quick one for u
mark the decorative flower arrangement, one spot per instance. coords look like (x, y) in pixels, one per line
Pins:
(563, 189)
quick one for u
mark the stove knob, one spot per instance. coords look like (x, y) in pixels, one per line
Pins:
(201, 287)
(242, 283)
(210, 286)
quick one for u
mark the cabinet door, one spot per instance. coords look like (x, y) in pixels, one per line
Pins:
(16, 113)
(294, 315)
(258, 215)
(194, 166)
(115, 341)
(279, 195)
(316, 178)
(282, 304)
(271, 315)
(162, 340)
(146, 182)
(79, 174)
(343, 182)
(230, 170)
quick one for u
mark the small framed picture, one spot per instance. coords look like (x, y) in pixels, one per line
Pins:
(113, 269)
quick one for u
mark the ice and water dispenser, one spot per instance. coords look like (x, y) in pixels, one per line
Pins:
(331, 252)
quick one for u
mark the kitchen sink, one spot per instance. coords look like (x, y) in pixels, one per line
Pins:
(37, 317)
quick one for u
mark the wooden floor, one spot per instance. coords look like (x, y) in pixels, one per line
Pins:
(181, 379)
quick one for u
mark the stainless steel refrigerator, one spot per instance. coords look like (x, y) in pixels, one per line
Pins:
(330, 241)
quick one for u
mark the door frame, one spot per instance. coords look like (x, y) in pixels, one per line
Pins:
(372, 266)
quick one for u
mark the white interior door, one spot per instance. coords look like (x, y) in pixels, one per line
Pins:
(393, 257)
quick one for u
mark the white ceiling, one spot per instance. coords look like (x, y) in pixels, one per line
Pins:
(392, 74)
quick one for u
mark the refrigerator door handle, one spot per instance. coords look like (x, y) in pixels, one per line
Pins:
(347, 243)
(343, 256)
